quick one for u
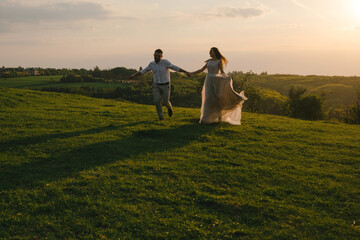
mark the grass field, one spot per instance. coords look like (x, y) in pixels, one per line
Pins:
(39, 82)
(30, 82)
(73, 167)
(337, 89)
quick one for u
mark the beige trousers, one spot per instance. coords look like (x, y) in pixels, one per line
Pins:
(161, 95)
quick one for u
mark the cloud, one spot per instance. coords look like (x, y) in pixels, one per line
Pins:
(351, 28)
(61, 11)
(297, 3)
(4, 28)
(15, 16)
(219, 13)
(231, 12)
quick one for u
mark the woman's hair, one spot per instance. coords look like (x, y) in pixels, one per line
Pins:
(220, 56)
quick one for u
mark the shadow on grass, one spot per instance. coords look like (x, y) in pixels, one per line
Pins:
(44, 138)
(44, 170)
(246, 213)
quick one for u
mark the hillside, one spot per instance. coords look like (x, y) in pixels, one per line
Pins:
(43, 82)
(337, 89)
(77, 167)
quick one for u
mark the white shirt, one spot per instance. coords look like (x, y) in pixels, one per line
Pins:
(160, 70)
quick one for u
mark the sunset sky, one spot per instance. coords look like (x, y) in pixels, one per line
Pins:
(305, 37)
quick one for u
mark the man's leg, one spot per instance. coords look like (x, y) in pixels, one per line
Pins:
(157, 100)
(166, 98)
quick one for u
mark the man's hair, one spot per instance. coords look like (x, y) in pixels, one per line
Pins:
(159, 51)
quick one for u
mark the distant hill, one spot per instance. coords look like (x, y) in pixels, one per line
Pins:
(78, 167)
(337, 89)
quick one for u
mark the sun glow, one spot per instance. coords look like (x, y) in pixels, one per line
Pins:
(355, 8)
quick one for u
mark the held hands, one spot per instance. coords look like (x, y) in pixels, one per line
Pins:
(186, 72)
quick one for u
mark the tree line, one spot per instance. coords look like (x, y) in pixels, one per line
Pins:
(6, 72)
(96, 73)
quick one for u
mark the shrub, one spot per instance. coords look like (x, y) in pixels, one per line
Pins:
(310, 107)
(306, 107)
(74, 78)
(352, 112)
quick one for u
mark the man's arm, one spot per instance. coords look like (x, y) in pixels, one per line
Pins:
(145, 70)
(176, 68)
(135, 75)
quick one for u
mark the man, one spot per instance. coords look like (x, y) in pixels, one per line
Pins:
(161, 85)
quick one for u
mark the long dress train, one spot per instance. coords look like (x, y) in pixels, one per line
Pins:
(220, 102)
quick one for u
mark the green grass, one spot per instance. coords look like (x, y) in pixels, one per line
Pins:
(95, 85)
(39, 82)
(30, 82)
(73, 167)
(336, 93)
(337, 89)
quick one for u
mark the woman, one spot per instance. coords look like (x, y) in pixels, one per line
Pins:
(220, 103)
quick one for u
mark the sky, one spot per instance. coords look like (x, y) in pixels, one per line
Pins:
(306, 37)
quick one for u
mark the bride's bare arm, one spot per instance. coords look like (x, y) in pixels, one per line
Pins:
(221, 67)
(200, 70)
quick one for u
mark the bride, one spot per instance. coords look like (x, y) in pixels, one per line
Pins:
(220, 103)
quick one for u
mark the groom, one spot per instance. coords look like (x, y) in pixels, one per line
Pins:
(161, 85)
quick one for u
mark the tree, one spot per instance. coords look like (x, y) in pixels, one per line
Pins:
(353, 111)
(294, 94)
(96, 72)
(241, 82)
(306, 107)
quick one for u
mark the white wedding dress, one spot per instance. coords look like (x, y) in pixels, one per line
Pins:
(220, 102)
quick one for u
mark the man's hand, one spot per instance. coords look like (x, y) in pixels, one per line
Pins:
(186, 72)
(134, 75)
